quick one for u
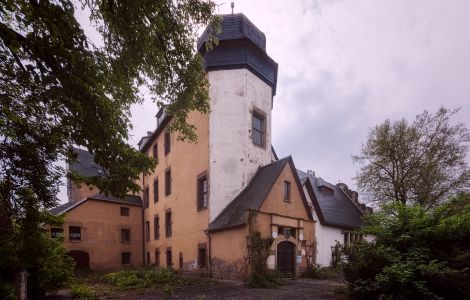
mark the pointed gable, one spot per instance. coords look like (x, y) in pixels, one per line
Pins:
(255, 194)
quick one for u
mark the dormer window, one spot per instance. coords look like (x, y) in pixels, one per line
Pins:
(259, 129)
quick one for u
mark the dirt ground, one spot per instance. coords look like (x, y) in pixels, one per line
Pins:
(224, 289)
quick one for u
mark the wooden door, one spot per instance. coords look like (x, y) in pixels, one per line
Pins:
(286, 258)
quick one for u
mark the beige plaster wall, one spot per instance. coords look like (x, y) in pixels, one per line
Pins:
(229, 253)
(187, 160)
(101, 224)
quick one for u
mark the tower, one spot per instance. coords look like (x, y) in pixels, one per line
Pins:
(242, 84)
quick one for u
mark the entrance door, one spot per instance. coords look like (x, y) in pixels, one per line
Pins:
(286, 258)
(82, 259)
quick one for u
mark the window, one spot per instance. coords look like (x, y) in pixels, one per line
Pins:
(125, 236)
(202, 192)
(156, 227)
(125, 211)
(168, 223)
(286, 191)
(167, 182)
(126, 258)
(286, 231)
(146, 197)
(181, 260)
(147, 231)
(346, 238)
(155, 151)
(169, 263)
(57, 232)
(167, 142)
(75, 233)
(147, 258)
(157, 257)
(155, 191)
(202, 256)
(258, 129)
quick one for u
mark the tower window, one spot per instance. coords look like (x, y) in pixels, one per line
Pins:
(125, 236)
(259, 129)
(167, 142)
(286, 191)
(155, 191)
(202, 192)
(167, 182)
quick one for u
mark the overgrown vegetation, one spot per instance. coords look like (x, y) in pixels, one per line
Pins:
(417, 254)
(260, 275)
(316, 272)
(144, 278)
(82, 292)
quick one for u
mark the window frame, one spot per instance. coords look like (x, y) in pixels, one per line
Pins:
(75, 240)
(129, 256)
(201, 203)
(156, 195)
(125, 211)
(167, 142)
(168, 223)
(287, 191)
(256, 114)
(156, 227)
(168, 181)
(123, 240)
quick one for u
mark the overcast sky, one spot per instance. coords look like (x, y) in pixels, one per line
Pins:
(346, 66)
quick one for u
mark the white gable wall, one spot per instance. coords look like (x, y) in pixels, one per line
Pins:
(233, 158)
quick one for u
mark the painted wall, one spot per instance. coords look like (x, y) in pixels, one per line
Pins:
(79, 192)
(101, 223)
(234, 158)
(229, 253)
(186, 160)
(326, 237)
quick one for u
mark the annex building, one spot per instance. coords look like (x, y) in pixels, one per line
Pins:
(202, 202)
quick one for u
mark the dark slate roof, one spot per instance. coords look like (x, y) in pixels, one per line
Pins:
(333, 209)
(85, 164)
(241, 45)
(130, 200)
(61, 208)
(253, 196)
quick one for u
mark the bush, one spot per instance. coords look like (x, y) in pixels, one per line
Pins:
(260, 275)
(317, 272)
(146, 278)
(7, 291)
(82, 292)
(417, 254)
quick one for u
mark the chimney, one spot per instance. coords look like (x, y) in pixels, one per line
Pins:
(311, 173)
(149, 133)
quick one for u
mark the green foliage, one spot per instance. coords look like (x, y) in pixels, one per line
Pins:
(260, 276)
(7, 291)
(82, 292)
(417, 254)
(317, 272)
(147, 278)
(423, 162)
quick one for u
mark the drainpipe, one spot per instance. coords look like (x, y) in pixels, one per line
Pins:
(143, 222)
(209, 265)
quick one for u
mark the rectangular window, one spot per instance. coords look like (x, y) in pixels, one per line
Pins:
(167, 142)
(125, 211)
(155, 191)
(181, 260)
(147, 231)
(286, 191)
(168, 222)
(202, 192)
(146, 197)
(167, 182)
(126, 258)
(147, 258)
(156, 227)
(75, 233)
(202, 256)
(157, 257)
(258, 129)
(169, 262)
(155, 151)
(125, 236)
(57, 232)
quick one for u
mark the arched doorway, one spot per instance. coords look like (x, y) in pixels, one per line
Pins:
(286, 258)
(82, 259)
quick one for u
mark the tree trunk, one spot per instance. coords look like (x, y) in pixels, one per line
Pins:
(21, 278)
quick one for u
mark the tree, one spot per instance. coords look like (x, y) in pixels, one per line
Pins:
(58, 90)
(416, 253)
(419, 163)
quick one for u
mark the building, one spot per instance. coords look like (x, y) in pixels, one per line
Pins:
(338, 214)
(204, 200)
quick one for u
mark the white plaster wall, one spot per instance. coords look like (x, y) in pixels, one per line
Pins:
(326, 237)
(233, 159)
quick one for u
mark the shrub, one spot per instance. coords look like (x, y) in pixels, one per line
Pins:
(318, 272)
(82, 292)
(260, 275)
(146, 278)
(417, 254)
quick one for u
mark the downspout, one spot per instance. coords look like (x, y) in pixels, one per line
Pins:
(143, 223)
(209, 265)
